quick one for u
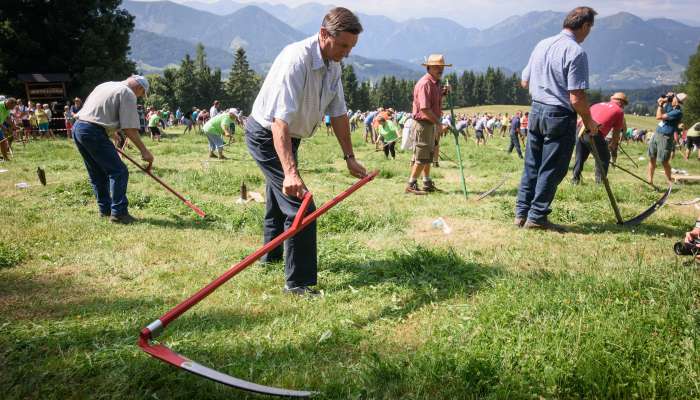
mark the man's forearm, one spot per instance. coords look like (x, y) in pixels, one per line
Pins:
(282, 141)
(133, 134)
(431, 115)
(341, 127)
(579, 101)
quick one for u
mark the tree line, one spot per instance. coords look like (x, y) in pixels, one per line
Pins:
(89, 40)
(194, 84)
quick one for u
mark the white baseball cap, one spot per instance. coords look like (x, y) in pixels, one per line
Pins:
(141, 81)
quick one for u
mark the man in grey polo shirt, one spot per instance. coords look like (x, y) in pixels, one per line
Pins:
(110, 106)
(302, 86)
(557, 76)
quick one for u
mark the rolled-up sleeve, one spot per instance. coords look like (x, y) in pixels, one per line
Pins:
(525, 75)
(128, 115)
(289, 90)
(337, 106)
(577, 77)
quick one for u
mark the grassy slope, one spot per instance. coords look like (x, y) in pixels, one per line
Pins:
(487, 311)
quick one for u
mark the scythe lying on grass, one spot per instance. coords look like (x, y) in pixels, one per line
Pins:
(156, 327)
(147, 171)
(493, 189)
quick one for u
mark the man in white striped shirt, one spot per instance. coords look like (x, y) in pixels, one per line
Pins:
(301, 87)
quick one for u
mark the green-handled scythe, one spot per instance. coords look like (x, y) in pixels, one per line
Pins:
(456, 135)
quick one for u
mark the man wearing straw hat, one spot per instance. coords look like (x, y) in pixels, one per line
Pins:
(610, 117)
(427, 110)
(110, 106)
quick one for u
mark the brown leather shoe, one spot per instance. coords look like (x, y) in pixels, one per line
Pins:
(413, 188)
(429, 186)
(545, 226)
(519, 222)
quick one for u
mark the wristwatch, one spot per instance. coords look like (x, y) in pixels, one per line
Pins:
(348, 156)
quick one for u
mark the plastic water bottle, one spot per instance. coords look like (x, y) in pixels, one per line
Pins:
(442, 225)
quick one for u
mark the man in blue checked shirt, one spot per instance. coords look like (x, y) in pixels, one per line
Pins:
(557, 76)
(302, 86)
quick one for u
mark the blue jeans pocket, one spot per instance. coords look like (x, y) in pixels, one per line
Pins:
(558, 126)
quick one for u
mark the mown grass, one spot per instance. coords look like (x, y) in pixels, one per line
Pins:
(487, 311)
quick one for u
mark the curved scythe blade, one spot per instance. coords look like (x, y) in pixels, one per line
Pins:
(647, 213)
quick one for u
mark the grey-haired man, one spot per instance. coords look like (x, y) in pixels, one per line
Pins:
(110, 106)
(302, 86)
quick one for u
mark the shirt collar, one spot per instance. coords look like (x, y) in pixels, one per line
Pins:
(568, 34)
(431, 79)
(316, 57)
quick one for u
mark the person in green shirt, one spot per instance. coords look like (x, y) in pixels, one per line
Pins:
(693, 140)
(153, 121)
(215, 128)
(6, 106)
(387, 133)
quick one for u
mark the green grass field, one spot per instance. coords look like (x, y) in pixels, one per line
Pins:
(409, 312)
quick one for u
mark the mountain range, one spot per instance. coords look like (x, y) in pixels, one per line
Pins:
(624, 50)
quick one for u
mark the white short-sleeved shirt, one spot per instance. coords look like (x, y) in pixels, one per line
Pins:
(300, 89)
(112, 105)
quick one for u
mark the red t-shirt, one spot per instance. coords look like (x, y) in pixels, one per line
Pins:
(427, 94)
(523, 123)
(609, 116)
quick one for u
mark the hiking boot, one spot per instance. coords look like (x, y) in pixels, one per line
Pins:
(301, 290)
(212, 155)
(413, 188)
(545, 226)
(124, 219)
(519, 222)
(429, 186)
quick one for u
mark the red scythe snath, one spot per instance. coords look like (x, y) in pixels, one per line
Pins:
(156, 327)
(148, 172)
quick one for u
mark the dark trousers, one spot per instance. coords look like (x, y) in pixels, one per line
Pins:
(107, 172)
(515, 143)
(300, 253)
(583, 150)
(390, 148)
(550, 142)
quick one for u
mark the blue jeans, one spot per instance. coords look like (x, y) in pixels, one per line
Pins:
(550, 144)
(300, 252)
(107, 172)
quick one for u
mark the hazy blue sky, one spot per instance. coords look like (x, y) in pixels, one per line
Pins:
(481, 14)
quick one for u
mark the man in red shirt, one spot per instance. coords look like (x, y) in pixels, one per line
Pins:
(610, 116)
(427, 110)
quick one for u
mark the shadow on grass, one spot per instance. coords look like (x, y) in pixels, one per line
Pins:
(430, 275)
(178, 222)
(644, 228)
